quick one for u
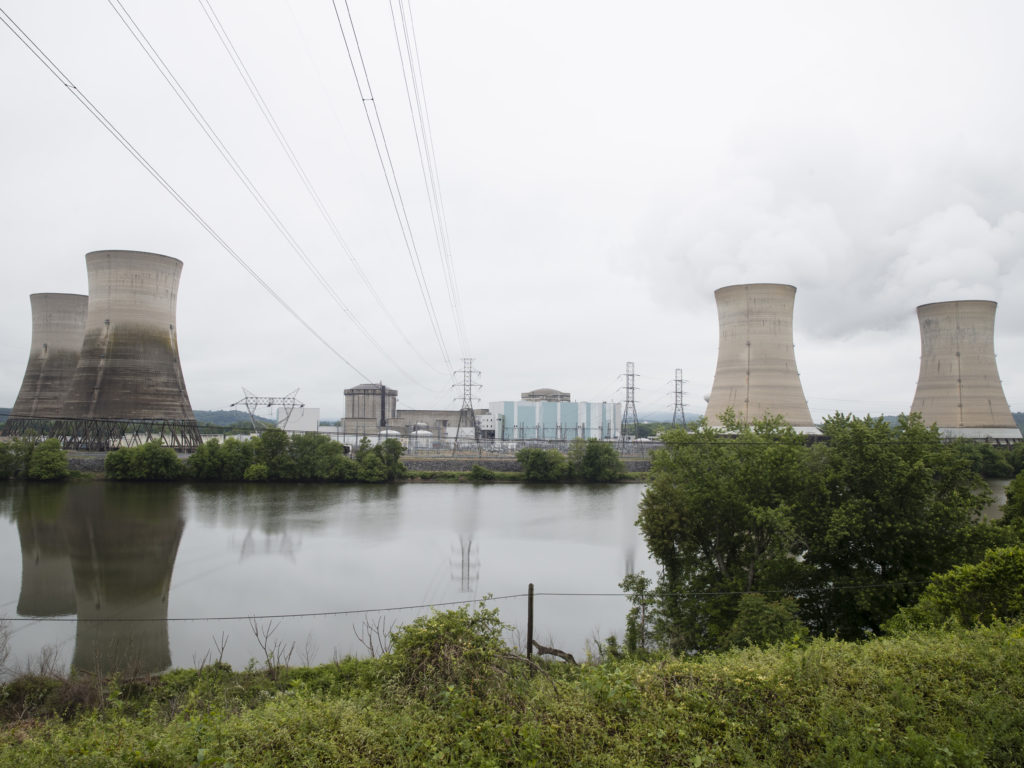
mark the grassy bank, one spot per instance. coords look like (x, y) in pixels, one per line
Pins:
(947, 698)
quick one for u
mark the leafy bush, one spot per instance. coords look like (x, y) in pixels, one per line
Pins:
(478, 474)
(977, 593)
(149, 461)
(256, 473)
(762, 622)
(595, 461)
(48, 461)
(450, 648)
(542, 465)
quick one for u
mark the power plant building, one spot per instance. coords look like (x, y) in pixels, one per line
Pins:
(756, 373)
(958, 387)
(58, 327)
(128, 386)
(547, 414)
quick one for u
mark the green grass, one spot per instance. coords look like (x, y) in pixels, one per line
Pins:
(938, 698)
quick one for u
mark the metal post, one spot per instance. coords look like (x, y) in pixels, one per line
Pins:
(529, 623)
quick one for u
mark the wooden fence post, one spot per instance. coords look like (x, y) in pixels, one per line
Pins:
(529, 623)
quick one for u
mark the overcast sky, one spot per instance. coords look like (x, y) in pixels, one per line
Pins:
(604, 168)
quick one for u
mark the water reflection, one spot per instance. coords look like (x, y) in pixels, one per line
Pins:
(104, 552)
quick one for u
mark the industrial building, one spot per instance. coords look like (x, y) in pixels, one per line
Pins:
(548, 414)
(958, 387)
(756, 374)
(128, 386)
(58, 327)
(372, 410)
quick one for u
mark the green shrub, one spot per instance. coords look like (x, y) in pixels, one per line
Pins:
(763, 622)
(480, 474)
(149, 461)
(256, 473)
(450, 648)
(977, 593)
(48, 461)
(594, 461)
(542, 465)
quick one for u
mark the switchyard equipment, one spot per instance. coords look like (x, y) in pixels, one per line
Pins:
(958, 387)
(756, 373)
(58, 327)
(128, 387)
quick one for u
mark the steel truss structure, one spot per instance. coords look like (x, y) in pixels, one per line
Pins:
(108, 434)
(251, 402)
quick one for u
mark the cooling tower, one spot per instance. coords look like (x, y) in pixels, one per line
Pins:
(58, 326)
(128, 386)
(958, 387)
(756, 373)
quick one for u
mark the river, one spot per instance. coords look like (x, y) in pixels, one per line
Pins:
(142, 577)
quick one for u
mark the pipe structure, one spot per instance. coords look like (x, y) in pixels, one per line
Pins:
(958, 387)
(58, 328)
(756, 373)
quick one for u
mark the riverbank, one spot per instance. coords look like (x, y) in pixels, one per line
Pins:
(937, 698)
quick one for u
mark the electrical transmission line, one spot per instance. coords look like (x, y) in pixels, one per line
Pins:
(412, 75)
(678, 411)
(387, 166)
(64, 80)
(268, 116)
(629, 412)
(197, 115)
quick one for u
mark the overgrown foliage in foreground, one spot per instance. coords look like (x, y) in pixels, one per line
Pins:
(451, 693)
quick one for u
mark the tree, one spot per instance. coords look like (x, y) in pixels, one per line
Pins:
(594, 461)
(372, 469)
(760, 621)
(6, 461)
(718, 516)
(390, 452)
(150, 461)
(272, 449)
(235, 458)
(48, 461)
(206, 463)
(972, 594)
(542, 466)
(890, 505)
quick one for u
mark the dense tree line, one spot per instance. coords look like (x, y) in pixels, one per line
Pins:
(274, 455)
(33, 459)
(758, 532)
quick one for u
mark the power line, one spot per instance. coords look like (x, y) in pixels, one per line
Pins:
(425, 147)
(197, 115)
(36, 51)
(286, 147)
(390, 177)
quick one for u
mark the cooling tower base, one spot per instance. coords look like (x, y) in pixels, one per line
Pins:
(108, 434)
(993, 435)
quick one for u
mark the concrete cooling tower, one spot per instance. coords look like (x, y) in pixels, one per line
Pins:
(958, 387)
(756, 373)
(128, 386)
(58, 326)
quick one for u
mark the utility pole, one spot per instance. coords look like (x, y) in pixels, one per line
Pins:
(629, 412)
(678, 413)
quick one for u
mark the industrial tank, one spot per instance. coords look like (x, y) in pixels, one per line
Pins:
(756, 372)
(958, 387)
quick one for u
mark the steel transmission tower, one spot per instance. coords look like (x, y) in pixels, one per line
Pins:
(629, 412)
(251, 402)
(467, 416)
(679, 412)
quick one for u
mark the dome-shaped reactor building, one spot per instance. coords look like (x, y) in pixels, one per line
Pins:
(756, 373)
(958, 387)
(58, 327)
(128, 386)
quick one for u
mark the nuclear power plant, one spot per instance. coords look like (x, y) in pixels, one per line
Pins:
(756, 373)
(125, 386)
(58, 327)
(958, 387)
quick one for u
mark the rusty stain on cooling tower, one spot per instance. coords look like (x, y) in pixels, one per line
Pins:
(58, 327)
(958, 387)
(756, 372)
(129, 367)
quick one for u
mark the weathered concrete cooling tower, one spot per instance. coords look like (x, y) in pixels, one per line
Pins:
(58, 326)
(756, 373)
(958, 387)
(128, 386)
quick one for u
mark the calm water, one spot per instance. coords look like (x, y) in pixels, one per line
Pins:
(150, 555)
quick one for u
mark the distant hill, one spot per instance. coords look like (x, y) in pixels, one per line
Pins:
(227, 418)
(4, 413)
(1019, 418)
